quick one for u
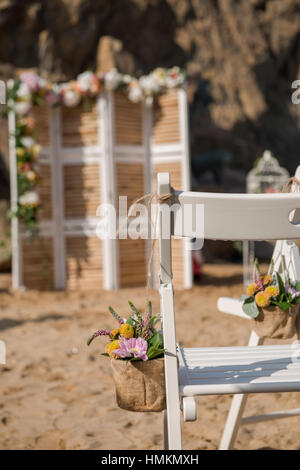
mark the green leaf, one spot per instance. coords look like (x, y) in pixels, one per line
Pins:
(153, 320)
(90, 339)
(134, 309)
(105, 354)
(156, 340)
(132, 321)
(115, 315)
(280, 284)
(155, 352)
(250, 308)
(283, 305)
(297, 285)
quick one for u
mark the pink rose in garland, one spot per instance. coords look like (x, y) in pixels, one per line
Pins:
(32, 80)
(52, 98)
(133, 347)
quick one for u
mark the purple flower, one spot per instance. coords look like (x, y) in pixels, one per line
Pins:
(31, 79)
(292, 291)
(97, 333)
(257, 277)
(133, 347)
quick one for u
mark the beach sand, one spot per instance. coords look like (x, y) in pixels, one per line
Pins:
(57, 393)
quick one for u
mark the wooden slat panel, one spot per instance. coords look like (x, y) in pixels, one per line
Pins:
(44, 190)
(4, 137)
(80, 126)
(128, 121)
(174, 168)
(166, 126)
(81, 190)
(84, 263)
(132, 258)
(41, 114)
(130, 181)
(132, 253)
(38, 263)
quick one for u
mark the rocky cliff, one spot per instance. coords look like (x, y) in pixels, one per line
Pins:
(241, 57)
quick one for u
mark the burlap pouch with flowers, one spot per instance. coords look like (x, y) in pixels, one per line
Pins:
(273, 322)
(140, 385)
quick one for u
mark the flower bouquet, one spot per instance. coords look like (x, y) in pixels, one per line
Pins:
(136, 351)
(273, 304)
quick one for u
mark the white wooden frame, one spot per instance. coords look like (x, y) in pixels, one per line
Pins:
(106, 154)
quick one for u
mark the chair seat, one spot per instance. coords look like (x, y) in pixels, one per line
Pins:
(230, 370)
(232, 306)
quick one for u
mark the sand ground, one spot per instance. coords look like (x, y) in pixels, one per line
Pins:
(56, 393)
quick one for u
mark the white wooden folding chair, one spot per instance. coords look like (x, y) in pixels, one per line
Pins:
(286, 260)
(222, 370)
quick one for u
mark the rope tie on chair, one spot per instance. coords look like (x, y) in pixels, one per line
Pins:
(158, 199)
(292, 184)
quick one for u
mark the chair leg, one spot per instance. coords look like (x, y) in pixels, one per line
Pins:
(165, 430)
(173, 426)
(237, 408)
(233, 421)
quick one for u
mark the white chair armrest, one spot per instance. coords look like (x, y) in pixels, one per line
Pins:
(231, 306)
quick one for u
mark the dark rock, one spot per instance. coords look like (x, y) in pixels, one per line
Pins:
(241, 58)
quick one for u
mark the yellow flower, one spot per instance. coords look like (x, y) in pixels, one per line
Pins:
(126, 331)
(114, 333)
(20, 152)
(262, 299)
(36, 149)
(272, 291)
(110, 347)
(252, 289)
(267, 279)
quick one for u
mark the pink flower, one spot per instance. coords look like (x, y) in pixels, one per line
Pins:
(31, 79)
(133, 347)
(257, 276)
(52, 98)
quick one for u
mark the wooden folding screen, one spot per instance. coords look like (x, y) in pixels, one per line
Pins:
(92, 154)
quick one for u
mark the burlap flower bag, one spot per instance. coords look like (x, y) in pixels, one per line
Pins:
(273, 303)
(140, 385)
(273, 322)
(136, 351)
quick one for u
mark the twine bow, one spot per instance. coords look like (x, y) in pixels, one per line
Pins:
(288, 188)
(159, 199)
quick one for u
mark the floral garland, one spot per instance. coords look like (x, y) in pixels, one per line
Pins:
(30, 89)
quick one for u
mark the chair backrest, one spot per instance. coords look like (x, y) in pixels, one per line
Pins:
(286, 259)
(286, 253)
(232, 216)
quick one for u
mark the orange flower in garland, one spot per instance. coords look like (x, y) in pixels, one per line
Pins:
(262, 299)
(126, 331)
(110, 347)
(272, 291)
(115, 333)
(267, 279)
(252, 288)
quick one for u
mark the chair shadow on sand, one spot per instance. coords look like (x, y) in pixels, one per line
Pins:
(6, 323)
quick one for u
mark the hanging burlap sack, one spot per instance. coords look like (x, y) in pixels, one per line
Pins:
(140, 385)
(273, 322)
